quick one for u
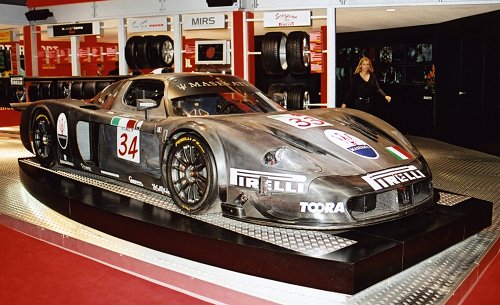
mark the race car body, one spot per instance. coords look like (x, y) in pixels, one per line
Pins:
(215, 143)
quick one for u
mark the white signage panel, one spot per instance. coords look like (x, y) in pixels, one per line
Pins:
(203, 22)
(281, 19)
(150, 24)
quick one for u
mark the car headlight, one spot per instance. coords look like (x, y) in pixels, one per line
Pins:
(288, 159)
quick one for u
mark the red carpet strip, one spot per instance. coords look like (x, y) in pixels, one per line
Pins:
(35, 272)
(486, 291)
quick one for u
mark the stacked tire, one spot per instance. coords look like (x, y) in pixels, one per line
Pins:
(80, 89)
(294, 97)
(11, 94)
(282, 54)
(149, 52)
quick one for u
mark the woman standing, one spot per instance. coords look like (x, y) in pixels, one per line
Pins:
(364, 85)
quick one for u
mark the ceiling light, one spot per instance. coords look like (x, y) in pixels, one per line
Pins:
(390, 10)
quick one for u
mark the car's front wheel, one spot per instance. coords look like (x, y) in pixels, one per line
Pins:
(190, 173)
(44, 139)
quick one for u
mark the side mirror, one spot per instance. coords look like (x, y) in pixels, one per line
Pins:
(145, 104)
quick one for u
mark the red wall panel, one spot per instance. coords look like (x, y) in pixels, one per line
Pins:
(38, 3)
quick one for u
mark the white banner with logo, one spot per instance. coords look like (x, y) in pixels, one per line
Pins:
(150, 24)
(203, 22)
(280, 19)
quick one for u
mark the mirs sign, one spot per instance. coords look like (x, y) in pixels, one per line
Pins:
(205, 21)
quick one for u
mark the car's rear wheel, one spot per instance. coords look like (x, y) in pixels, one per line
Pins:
(44, 139)
(190, 173)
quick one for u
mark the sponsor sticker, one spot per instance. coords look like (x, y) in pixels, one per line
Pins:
(299, 121)
(393, 176)
(62, 130)
(125, 123)
(128, 144)
(351, 143)
(272, 182)
(134, 181)
(322, 208)
(398, 152)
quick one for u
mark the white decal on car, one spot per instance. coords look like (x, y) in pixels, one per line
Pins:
(160, 189)
(393, 176)
(133, 181)
(322, 208)
(110, 174)
(351, 143)
(62, 130)
(274, 182)
(299, 121)
(128, 146)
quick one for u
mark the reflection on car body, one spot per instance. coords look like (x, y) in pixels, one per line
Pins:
(216, 144)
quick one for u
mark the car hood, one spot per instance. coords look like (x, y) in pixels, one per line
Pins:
(330, 141)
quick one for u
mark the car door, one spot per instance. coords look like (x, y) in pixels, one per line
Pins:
(128, 143)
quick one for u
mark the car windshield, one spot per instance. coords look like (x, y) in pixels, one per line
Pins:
(231, 102)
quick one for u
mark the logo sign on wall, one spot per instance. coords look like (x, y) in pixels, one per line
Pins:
(203, 22)
(280, 19)
(89, 28)
(5, 36)
(150, 24)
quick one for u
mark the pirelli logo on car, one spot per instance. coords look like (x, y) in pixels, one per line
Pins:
(268, 182)
(393, 176)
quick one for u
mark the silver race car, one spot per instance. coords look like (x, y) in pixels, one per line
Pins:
(217, 144)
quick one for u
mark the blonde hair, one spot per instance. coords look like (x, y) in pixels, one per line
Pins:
(363, 59)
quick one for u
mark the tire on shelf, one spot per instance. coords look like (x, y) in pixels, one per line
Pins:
(280, 88)
(47, 90)
(297, 52)
(89, 89)
(63, 90)
(34, 91)
(77, 90)
(15, 94)
(131, 50)
(273, 53)
(298, 95)
(141, 51)
(101, 85)
(160, 51)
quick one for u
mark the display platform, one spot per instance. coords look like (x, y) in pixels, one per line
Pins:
(344, 262)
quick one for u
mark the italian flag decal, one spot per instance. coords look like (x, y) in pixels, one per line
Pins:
(398, 152)
(123, 122)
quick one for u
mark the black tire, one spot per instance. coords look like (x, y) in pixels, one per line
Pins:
(77, 90)
(141, 52)
(281, 88)
(160, 51)
(89, 89)
(44, 139)
(190, 173)
(17, 94)
(130, 51)
(298, 95)
(101, 85)
(273, 53)
(34, 91)
(63, 89)
(47, 90)
(297, 53)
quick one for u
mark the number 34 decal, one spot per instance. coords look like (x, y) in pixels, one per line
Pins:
(128, 144)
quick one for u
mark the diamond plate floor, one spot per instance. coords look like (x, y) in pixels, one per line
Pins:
(433, 281)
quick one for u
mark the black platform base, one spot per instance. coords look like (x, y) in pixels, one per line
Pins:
(380, 251)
